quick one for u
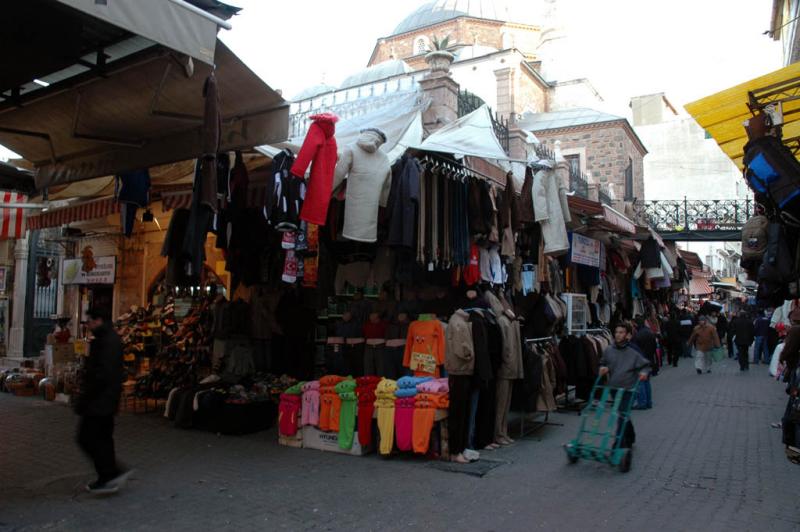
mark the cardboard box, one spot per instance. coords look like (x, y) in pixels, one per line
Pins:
(313, 438)
(57, 354)
(295, 441)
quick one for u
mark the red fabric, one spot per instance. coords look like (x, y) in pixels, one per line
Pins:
(375, 330)
(288, 414)
(472, 273)
(318, 151)
(366, 407)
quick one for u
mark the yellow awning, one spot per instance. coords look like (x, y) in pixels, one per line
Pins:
(722, 114)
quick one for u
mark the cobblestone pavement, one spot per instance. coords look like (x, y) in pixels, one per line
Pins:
(706, 459)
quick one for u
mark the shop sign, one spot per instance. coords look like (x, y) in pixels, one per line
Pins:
(97, 270)
(585, 250)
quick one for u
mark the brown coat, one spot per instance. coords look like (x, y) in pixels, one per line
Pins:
(459, 358)
(704, 338)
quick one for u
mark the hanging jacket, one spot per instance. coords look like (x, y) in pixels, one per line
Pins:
(318, 151)
(549, 214)
(526, 199)
(369, 179)
(472, 273)
(459, 347)
(211, 132)
(511, 367)
(284, 194)
(403, 203)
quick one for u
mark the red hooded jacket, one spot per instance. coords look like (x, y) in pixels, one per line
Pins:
(319, 151)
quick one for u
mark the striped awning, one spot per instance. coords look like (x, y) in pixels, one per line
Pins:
(12, 219)
(74, 213)
(699, 285)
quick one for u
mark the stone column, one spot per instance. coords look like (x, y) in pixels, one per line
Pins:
(16, 346)
(443, 93)
(505, 78)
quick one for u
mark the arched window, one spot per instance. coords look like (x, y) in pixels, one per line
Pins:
(421, 45)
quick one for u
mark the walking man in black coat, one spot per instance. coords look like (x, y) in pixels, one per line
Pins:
(97, 403)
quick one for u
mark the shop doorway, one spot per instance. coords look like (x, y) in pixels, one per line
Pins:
(98, 296)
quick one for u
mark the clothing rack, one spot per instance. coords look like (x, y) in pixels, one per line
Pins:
(588, 331)
(523, 432)
(458, 167)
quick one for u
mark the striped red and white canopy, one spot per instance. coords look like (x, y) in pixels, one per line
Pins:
(12, 219)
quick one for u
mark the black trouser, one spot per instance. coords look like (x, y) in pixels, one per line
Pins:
(744, 361)
(629, 437)
(675, 351)
(459, 410)
(96, 439)
(730, 346)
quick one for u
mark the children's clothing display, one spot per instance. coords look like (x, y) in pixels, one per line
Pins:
(424, 351)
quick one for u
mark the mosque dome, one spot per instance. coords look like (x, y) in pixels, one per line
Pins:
(313, 91)
(377, 72)
(434, 12)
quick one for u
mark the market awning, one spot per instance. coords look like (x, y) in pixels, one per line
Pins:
(472, 134)
(617, 221)
(400, 119)
(145, 111)
(175, 24)
(698, 286)
(78, 212)
(722, 114)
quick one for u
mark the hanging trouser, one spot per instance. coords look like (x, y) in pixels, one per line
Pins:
(353, 356)
(373, 357)
(422, 424)
(310, 413)
(325, 406)
(366, 408)
(336, 408)
(334, 361)
(385, 407)
(392, 362)
(288, 411)
(484, 423)
(503, 404)
(347, 419)
(404, 422)
(459, 412)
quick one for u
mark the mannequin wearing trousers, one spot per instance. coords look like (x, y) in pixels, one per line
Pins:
(510, 368)
(460, 363)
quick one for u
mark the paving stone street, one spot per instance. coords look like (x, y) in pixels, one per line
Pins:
(706, 459)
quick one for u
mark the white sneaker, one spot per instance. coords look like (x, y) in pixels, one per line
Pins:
(471, 455)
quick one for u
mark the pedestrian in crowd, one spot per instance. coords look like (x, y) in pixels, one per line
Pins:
(645, 341)
(704, 338)
(791, 345)
(730, 335)
(687, 326)
(624, 365)
(761, 328)
(674, 339)
(722, 326)
(97, 402)
(744, 333)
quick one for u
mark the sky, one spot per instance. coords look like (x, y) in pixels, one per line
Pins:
(686, 48)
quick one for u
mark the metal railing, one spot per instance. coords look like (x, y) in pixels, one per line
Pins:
(698, 215)
(603, 196)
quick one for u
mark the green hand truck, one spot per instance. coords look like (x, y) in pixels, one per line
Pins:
(606, 415)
